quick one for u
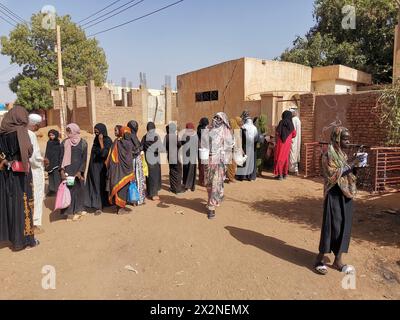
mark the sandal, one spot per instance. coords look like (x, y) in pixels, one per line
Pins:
(321, 268)
(346, 269)
(36, 243)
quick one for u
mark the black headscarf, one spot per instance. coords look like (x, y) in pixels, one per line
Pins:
(53, 150)
(285, 127)
(151, 137)
(98, 154)
(203, 124)
(103, 130)
(137, 148)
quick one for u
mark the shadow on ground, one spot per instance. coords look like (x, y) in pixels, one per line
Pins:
(275, 247)
(370, 222)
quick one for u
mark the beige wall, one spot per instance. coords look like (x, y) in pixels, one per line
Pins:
(263, 76)
(209, 79)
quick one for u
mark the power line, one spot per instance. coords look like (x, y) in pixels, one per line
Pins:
(133, 5)
(92, 15)
(128, 22)
(1, 17)
(107, 13)
(9, 16)
(12, 12)
(9, 69)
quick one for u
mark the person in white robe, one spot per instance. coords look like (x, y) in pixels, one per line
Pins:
(296, 144)
(37, 166)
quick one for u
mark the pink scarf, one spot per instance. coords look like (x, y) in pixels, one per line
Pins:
(73, 140)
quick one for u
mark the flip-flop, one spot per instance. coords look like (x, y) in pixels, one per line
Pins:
(346, 269)
(321, 268)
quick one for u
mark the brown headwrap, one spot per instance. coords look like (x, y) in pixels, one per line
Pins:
(16, 120)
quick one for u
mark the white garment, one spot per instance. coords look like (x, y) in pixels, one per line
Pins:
(296, 147)
(251, 139)
(37, 166)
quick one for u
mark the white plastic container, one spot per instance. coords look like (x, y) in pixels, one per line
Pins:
(204, 154)
(70, 181)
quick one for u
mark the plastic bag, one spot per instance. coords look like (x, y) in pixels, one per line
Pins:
(145, 166)
(133, 193)
(63, 199)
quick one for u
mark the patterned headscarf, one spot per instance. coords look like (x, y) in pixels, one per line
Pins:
(334, 164)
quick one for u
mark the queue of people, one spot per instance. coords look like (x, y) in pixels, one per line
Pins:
(127, 170)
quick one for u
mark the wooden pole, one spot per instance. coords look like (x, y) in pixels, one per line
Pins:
(60, 83)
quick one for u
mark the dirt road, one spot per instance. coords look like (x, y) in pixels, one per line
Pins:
(261, 246)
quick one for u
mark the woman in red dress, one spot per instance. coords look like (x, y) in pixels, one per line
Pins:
(285, 132)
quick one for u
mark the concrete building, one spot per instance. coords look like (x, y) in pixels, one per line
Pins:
(260, 86)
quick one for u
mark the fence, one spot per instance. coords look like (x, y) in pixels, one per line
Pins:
(387, 168)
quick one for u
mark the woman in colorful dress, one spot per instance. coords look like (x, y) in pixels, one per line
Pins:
(120, 170)
(285, 133)
(220, 146)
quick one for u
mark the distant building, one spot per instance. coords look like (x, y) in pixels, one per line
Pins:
(260, 86)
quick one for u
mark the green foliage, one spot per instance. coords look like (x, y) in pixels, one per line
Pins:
(388, 108)
(369, 47)
(33, 48)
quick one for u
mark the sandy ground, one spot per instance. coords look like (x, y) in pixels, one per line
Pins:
(261, 246)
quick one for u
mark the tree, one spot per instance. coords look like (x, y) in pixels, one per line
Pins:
(33, 48)
(369, 47)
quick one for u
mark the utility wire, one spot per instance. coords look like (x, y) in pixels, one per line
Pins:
(123, 10)
(13, 13)
(1, 17)
(9, 16)
(130, 21)
(107, 13)
(92, 15)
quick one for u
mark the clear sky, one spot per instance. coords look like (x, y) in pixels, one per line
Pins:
(186, 37)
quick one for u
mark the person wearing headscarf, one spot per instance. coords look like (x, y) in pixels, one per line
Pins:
(16, 194)
(172, 146)
(296, 145)
(73, 160)
(202, 129)
(52, 162)
(249, 141)
(152, 146)
(237, 133)
(190, 147)
(339, 192)
(96, 196)
(285, 133)
(37, 166)
(120, 170)
(220, 147)
(261, 147)
(137, 154)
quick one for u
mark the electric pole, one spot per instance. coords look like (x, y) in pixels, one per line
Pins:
(60, 83)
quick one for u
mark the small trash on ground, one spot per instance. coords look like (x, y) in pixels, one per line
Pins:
(130, 268)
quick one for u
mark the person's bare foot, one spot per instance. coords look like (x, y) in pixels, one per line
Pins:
(38, 230)
(156, 198)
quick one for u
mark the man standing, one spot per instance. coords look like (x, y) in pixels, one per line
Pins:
(296, 144)
(37, 166)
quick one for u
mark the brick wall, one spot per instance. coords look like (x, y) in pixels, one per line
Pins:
(307, 115)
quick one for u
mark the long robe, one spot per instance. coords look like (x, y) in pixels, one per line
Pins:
(175, 166)
(189, 149)
(53, 151)
(120, 172)
(96, 196)
(282, 151)
(152, 146)
(16, 199)
(36, 161)
(78, 164)
(296, 147)
(249, 142)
